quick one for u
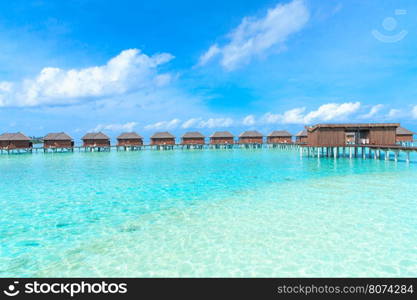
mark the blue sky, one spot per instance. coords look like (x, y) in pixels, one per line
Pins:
(151, 66)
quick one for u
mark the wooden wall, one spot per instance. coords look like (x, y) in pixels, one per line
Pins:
(279, 140)
(58, 144)
(96, 143)
(15, 144)
(327, 137)
(250, 140)
(301, 140)
(382, 136)
(163, 141)
(193, 141)
(129, 142)
(404, 138)
(222, 141)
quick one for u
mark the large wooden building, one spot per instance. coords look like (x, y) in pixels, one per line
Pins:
(193, 138)
(279, 137)
(222, 138)
(58, 140)
(96, 139)
(335, 135)
(301, 137)
(251, 137)
(129, 139)
(404, 135)
(162, 138)
(11, 141)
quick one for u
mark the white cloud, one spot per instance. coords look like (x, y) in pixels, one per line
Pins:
(254, 36)
(116, 127)
(270, 118)
(332, 111)
(164, 125)
(394, 113)
(326, 112)
(210, 53)
(191, 123)
(374, 110)
(294, 116)
(216, 123)
(414, 112)
(129, 71)
(249, 120)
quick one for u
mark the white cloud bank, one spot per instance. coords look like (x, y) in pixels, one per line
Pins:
(164, 125)
(129, 71)
(256, 35)
(325, 113)
(191, 123)
(116, 127)
(373, 111)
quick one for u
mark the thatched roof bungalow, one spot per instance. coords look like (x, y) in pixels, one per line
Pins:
(222, 138)
(58, 140)
(279, 137)
(10, 141)
(404, 135)
(163, 138)
(193, 138)
(301, 137)
(129, 139)
(96, 139)
(251, 137)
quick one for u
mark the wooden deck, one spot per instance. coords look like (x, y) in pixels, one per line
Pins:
(364, 151)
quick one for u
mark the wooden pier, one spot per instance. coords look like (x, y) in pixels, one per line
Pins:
(385, 152)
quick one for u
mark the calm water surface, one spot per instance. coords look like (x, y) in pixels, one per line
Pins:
(206, 213)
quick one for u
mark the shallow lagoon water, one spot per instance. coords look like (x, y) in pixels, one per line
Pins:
(240, 212)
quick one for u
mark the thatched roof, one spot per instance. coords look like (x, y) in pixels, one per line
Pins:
(57, 136)
(280, 133)
(222, 134)
(95, 136)
(251, 134)
(404, 131)
(302, 133)
(18, 136)
(162, 135)
(193, 135)
(129, 136)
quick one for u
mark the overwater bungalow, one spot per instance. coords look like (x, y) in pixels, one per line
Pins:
(96, 140)
(251, 137)
(193, 138)
(279, 137)
(336, 135)
(404, 135)
(301, 137)
(162, 138)
(58, 140)
(222, 138)
(12, 141)
(129, 139)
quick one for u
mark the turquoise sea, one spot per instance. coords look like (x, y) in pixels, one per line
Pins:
(199, 213)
